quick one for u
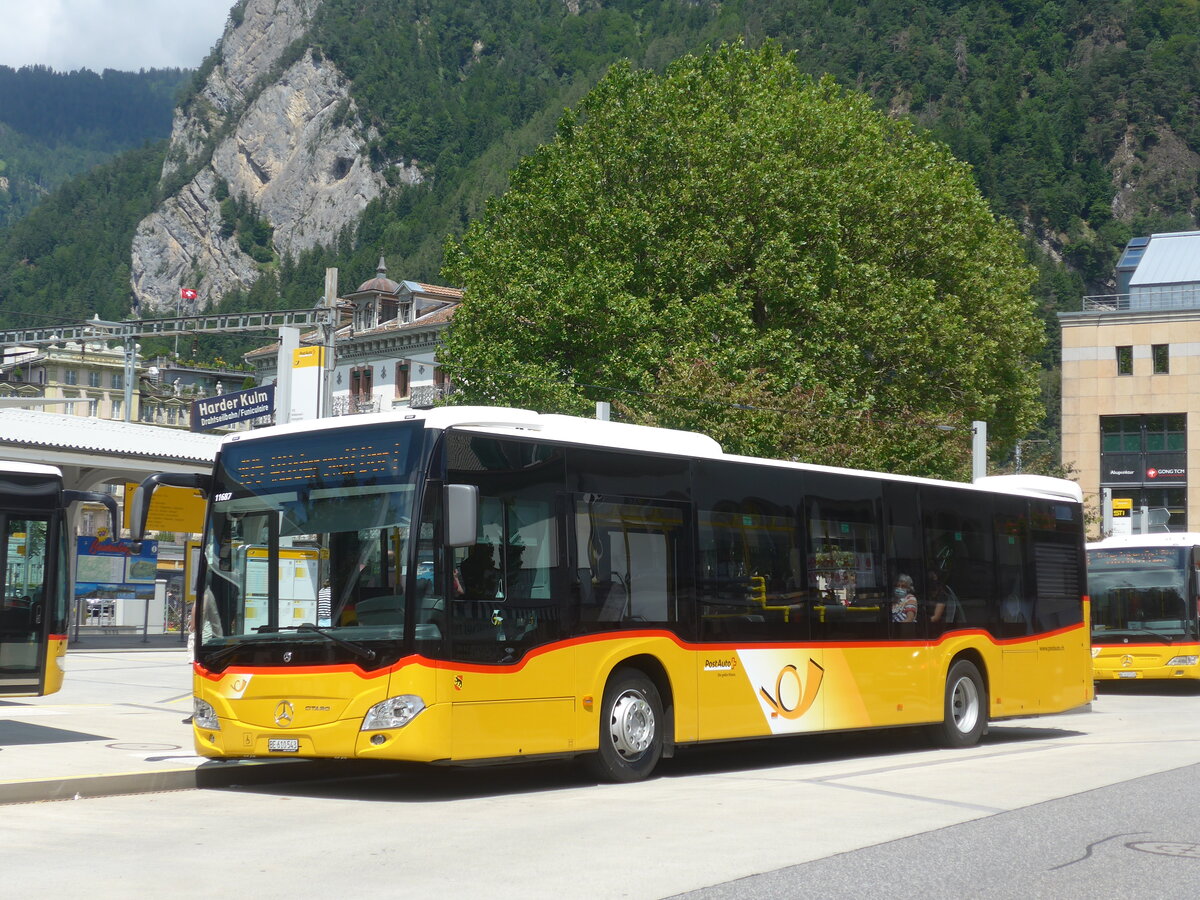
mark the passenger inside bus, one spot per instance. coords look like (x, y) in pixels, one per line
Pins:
(946, 608)
(1015, 607)
(904, 601)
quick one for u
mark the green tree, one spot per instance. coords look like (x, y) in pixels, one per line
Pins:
(736, 248)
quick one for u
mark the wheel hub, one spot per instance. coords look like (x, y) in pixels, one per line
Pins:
(964, 705)
(632, 725)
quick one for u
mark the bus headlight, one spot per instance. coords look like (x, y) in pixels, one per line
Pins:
(204, 716)
(395, 712)
(1182, 660)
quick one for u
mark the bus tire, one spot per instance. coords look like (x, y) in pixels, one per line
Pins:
(631, 728)
(965, 707)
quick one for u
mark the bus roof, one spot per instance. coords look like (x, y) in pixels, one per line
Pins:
(1155, 539)
(507, 420)
(28, 468)
(624, 436)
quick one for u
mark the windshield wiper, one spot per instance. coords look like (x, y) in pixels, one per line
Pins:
(357, 649)
(1138, 632)
(217, 655)
(1166, 638)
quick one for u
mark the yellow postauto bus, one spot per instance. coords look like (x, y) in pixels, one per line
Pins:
(1145, 593)
(472, 584)
(35, 581)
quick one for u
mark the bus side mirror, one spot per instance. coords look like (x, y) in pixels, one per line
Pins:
(139, 506)
(139, 509)
(461, 514)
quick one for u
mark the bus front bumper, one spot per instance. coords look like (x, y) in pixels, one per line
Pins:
(421, 740)
(1133, 664)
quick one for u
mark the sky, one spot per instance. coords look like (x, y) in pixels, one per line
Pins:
(110, 34)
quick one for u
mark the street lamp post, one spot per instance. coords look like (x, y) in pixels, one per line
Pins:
(978, 450)
(978, 447)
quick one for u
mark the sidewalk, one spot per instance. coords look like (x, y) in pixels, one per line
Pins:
(98, 639)
(117, 727)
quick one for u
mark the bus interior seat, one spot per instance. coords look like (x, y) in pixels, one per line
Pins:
(384, 609)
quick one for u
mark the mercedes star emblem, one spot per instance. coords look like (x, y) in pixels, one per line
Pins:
(284, 713)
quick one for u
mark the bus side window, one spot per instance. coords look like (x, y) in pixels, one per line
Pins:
(502, 600)
(749, 585)
(843, 520)
(1010, 612)
(959, 559)
(628, 561)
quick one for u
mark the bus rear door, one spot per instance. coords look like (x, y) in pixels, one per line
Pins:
(23, 621)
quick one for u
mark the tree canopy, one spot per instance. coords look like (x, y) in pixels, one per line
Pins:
(736, 248)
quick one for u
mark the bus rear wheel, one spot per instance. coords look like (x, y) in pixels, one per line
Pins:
(631, 728)
(965, 708)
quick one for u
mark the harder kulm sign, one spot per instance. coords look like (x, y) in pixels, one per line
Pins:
(228, 409)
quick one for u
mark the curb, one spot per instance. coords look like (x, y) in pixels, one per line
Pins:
(215, 774)
(76, 648)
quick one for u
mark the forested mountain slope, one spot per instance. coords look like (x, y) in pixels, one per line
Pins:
(54, 125)
(1080, 119)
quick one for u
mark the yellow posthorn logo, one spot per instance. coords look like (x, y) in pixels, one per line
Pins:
(807, 692)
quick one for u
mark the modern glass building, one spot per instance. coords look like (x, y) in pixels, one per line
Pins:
(1131, 382)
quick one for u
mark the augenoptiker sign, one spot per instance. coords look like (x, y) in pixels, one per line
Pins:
(229, 409)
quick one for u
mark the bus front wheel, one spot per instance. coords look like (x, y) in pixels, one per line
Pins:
(631, 728)
(965, 709)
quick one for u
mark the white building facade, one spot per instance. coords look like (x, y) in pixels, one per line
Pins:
(385, 346)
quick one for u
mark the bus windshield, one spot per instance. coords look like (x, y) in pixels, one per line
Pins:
(308, 543)
(1141, 593)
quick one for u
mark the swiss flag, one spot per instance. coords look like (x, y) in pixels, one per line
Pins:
(187, 294)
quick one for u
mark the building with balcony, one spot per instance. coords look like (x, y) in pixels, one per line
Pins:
(385, 346)
(1131, 381)
(88, 375)
(169, 388)
(88, 379)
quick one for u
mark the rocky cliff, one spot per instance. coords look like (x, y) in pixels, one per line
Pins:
(283, 134)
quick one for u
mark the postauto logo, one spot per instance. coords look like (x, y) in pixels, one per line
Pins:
(802, 691)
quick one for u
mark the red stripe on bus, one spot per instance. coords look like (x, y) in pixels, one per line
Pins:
(449, 665)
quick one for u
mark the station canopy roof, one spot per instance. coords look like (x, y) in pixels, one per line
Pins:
(26, 428)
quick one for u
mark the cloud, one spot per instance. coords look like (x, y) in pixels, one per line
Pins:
(110, 34)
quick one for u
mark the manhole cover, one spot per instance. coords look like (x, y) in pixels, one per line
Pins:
(142, 746)
(1168, 848)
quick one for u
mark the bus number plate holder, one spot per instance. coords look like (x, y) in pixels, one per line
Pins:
(1127, 674)
(283, 745)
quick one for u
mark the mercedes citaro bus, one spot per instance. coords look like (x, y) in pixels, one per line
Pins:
(471, 584)
(1145, 594)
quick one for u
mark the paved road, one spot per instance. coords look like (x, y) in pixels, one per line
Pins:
(1137, 839)
(1091, 804)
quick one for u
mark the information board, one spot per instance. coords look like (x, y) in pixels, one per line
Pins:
(115, 569)
(171, 509)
